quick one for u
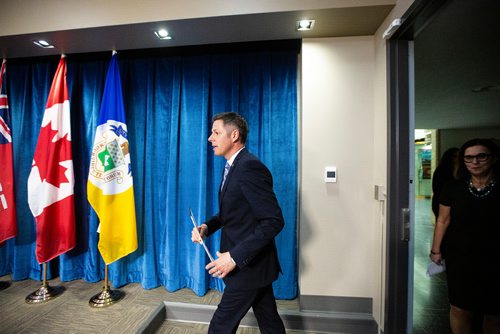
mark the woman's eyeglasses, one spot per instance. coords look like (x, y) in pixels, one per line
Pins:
(481, 157)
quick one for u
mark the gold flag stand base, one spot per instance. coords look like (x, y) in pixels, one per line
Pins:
(4, 285)
(106, 297)
(44, 294)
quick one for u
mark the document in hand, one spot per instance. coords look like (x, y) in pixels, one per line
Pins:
(201, 242)
(434, 269)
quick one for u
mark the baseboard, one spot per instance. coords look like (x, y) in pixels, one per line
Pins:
(328, 322)
(313, 303)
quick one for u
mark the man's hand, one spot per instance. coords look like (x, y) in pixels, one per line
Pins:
(199, 233)
(222, 266)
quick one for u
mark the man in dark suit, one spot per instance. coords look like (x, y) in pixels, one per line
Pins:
(250, 218)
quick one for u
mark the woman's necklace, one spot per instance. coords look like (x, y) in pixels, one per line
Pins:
(482, 192)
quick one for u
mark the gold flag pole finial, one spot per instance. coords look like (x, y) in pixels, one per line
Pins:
(45, 292)
(106, 297)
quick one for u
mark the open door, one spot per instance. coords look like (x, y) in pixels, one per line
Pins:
(398, 288)
(399, 254)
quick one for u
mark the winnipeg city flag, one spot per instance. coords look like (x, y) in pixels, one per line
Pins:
(51, 180)
(7, 204)
(110, 188)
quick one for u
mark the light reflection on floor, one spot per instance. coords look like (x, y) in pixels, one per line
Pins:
(430, 295)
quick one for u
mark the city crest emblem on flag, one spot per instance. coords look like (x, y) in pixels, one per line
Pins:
(110, 167)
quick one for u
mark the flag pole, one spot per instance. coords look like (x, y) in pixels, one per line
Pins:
(110, 187)
(55, 228)
(106, 297)
(45, 292)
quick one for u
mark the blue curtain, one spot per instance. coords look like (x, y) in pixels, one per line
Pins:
(169, 101)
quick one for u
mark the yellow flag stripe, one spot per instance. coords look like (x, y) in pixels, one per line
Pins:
(118, 231)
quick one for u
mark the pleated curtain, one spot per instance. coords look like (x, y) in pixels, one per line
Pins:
(170, 99)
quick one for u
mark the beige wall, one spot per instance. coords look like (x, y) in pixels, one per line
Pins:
(337, 226)
(344, 124)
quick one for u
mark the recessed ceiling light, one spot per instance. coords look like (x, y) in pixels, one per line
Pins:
(43, 44)
(163, 34)
(303, 25)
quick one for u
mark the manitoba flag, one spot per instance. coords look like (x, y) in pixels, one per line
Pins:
(51, 181)
(7, 204)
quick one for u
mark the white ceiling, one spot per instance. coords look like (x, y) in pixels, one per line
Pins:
(330, 22)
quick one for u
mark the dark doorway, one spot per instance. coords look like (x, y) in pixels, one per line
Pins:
(451, 45)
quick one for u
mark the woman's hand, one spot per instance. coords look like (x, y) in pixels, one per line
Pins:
(436, 257)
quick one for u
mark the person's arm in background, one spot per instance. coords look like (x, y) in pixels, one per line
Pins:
(442, 223)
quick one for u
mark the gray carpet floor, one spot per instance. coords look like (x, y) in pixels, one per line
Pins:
(70, 312)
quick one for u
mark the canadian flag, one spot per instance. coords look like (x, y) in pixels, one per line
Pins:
(51, 180)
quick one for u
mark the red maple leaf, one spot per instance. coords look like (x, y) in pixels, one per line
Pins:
(49, 154)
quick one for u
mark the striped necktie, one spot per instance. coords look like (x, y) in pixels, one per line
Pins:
(226, 171)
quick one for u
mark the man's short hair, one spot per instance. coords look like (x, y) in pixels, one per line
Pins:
(236, 120)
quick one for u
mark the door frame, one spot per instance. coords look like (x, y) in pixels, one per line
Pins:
(398, 169)
(398, 284)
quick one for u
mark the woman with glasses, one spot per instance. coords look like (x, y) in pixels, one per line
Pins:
(469, 214)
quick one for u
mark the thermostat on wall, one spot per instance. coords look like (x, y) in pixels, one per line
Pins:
(330, 174)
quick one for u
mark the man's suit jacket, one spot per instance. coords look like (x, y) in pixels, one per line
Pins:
(250, 218)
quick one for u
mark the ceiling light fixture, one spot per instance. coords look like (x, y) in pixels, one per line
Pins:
(163, 34)
(43, 44)
(303, 25)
